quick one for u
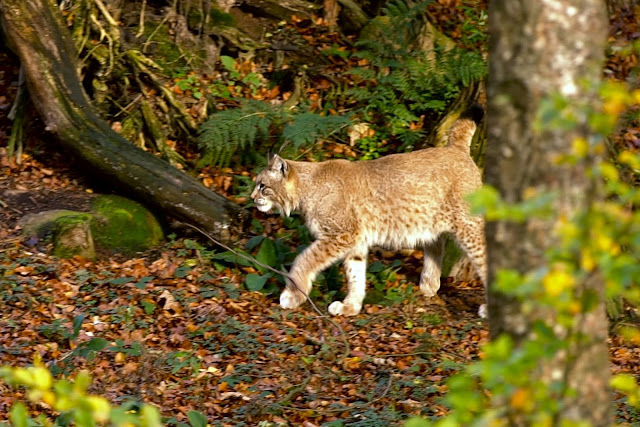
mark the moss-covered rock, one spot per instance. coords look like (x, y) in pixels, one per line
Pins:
(123, 225)
(72, 237)
(42, 224)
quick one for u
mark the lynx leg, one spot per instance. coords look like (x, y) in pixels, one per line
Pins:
(470, 238)
(430, 277)
(318, 256)
(355, 269)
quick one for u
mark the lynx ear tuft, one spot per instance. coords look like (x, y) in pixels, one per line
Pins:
(277, 163)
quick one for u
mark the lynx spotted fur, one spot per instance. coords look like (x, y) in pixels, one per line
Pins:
(398, 201)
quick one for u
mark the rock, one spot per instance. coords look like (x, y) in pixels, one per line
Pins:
(42, 223)
(69, 231)
(122, 225)
(115, 224)
(73, 237)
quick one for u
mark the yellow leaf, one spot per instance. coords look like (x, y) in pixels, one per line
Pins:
(42, 379)
(557, 281)
(587, 263)
(521, 400)
(100, 408)
(629, 159)
(580, 147)
(49, 398)
(609, 172)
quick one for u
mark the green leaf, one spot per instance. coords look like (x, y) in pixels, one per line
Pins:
(197, 419)
(266, 255)
(149, 307)
(228, 62)
(121, 280)
(256, 282)
(151, 416)
(18, 415)
(77, 324)
(417, 422)
(253, 242)
(232, 258)
(97, 344)
(142, 283)
(624, 382)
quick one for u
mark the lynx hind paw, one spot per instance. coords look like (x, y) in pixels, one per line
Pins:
(483, 312)
(291, 299)
(337, 308)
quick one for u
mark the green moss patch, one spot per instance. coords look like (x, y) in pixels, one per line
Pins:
(123, 225)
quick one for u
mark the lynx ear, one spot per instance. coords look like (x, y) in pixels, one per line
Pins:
(278, 164)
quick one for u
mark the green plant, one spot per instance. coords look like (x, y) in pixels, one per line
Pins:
(230, 131)
(71, 400)
(252, 80)
(401, 83)
(601, 239)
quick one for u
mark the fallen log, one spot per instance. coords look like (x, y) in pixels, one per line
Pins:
(35, 31)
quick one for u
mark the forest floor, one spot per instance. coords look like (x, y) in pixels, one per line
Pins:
(177, 327)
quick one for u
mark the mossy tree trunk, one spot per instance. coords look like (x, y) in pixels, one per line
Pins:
(35, 31)
(531, 59)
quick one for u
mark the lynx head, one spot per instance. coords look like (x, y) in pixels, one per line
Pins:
(275, 187)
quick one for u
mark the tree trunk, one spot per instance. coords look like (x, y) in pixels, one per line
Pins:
(35, 31)
(540, 48)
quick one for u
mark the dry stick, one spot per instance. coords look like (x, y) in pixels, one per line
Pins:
(347, 347)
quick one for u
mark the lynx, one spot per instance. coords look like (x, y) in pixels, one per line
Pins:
(397, 201)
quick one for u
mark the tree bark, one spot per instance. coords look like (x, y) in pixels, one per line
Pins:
(540, 48)
(35, 31)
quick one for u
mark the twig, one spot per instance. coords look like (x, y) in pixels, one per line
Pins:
(141, 24)
(347, 347)
(153, 33)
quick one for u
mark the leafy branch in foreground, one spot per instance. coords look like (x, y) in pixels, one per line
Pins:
(230, 131)
(600, 241)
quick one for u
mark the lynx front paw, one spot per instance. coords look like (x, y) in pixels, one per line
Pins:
(291, 299)
(337, 308)
(429, 288)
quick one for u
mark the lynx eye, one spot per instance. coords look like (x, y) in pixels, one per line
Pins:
(261, 186)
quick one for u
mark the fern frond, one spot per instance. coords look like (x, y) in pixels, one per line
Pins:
(306, 128)
(229, 131)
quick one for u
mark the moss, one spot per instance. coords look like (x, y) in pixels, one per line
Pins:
(123, 225)
(165, 49)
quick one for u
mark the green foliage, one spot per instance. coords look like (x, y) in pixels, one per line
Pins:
(72, 401)
(400, 83)
(230, 131)
(601, 238)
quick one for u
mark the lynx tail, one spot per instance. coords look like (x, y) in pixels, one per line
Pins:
(463, 129)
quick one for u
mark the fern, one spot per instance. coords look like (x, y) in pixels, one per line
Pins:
(399, 85)
(305, 128)
(230, 131)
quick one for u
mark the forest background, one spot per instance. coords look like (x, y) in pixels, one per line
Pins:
(190, 327)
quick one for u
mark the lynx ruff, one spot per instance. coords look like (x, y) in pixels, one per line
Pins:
(398, 201)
